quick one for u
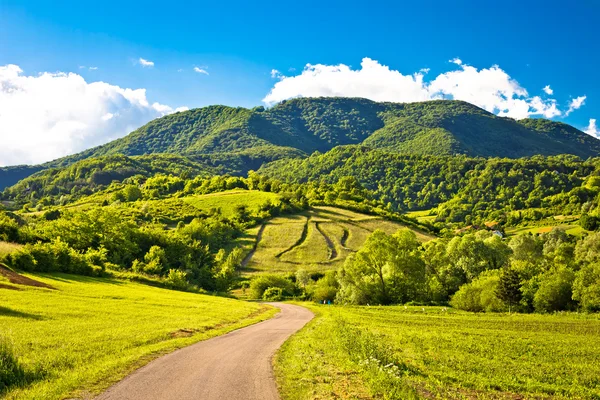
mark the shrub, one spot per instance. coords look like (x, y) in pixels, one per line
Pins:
(273, 294)
(22, 260)
(479, 295)
(56, 256)
(261, 283)
(177, 280)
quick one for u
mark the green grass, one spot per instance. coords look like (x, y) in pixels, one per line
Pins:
(227, 201)
(314, 248)
(423, 216)
(571, 229)
(91, 332)
(284, 247)
(7, 248)
(403, 353)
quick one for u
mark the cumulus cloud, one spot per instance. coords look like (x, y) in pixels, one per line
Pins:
(51, 115)
(592, 129)
(489, 88)
(576, 104)
(145, 63)
(200, 70)
(548, 90)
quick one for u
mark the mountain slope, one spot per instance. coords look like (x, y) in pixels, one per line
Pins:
(235, 140)
(441, 127)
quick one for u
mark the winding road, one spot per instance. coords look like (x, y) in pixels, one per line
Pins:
(229, 367)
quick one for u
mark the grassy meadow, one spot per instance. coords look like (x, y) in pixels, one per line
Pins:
(316, 240)
(413, 352)
(227, 201)
(90, 332)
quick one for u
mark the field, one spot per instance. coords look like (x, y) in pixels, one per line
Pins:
(318, 239)
(572, 229)
(90, 332)
(229, 200)
(423, 216)
(412, 352)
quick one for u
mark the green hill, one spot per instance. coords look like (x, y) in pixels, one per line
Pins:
(236, 140)
(440, 127)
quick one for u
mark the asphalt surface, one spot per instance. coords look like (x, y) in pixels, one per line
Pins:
(233, 366)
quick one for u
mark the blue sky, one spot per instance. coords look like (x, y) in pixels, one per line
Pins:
(239, 43)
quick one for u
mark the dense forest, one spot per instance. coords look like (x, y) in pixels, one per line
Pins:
(237, 140)
(464, 190)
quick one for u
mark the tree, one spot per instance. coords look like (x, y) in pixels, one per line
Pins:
(555, 291)
(302, 277)
(509, 287)
(387, 269)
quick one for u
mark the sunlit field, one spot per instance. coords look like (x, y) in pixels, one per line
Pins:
(414, 352)
(90, 332)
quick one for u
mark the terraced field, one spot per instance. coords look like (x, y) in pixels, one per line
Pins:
(319, 239)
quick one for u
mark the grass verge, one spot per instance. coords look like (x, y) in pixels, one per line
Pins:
(404, 353)
(89, 333)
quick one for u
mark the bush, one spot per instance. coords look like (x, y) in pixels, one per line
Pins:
(57, 256)
(479, 295)
(589, 222)
(261, 283)
(273, 294)
(21, 260)
(11, 372)
(177, 280)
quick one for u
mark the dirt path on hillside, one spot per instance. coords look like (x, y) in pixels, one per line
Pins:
(233, 366)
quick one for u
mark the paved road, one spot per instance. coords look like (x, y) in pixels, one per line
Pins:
(229, 367)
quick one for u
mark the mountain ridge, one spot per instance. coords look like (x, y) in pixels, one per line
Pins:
(296, 128)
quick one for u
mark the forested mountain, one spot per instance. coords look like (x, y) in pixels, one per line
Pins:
(440, 127)
(465, 189)
(236, 140)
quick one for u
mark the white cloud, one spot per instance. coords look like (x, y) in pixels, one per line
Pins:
(548, 90)
(275, 74)
(592, 129)
(576, 104)
(93, 68)
(182, 109)
(46, 116)
(201, 70)
(145, 63)
(489, 88)
(456, 61)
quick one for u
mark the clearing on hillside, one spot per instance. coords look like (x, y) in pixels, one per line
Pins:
(318, 239)
(229, 200)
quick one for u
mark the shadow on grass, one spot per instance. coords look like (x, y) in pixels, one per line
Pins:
(5, 311)
(68, 278)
